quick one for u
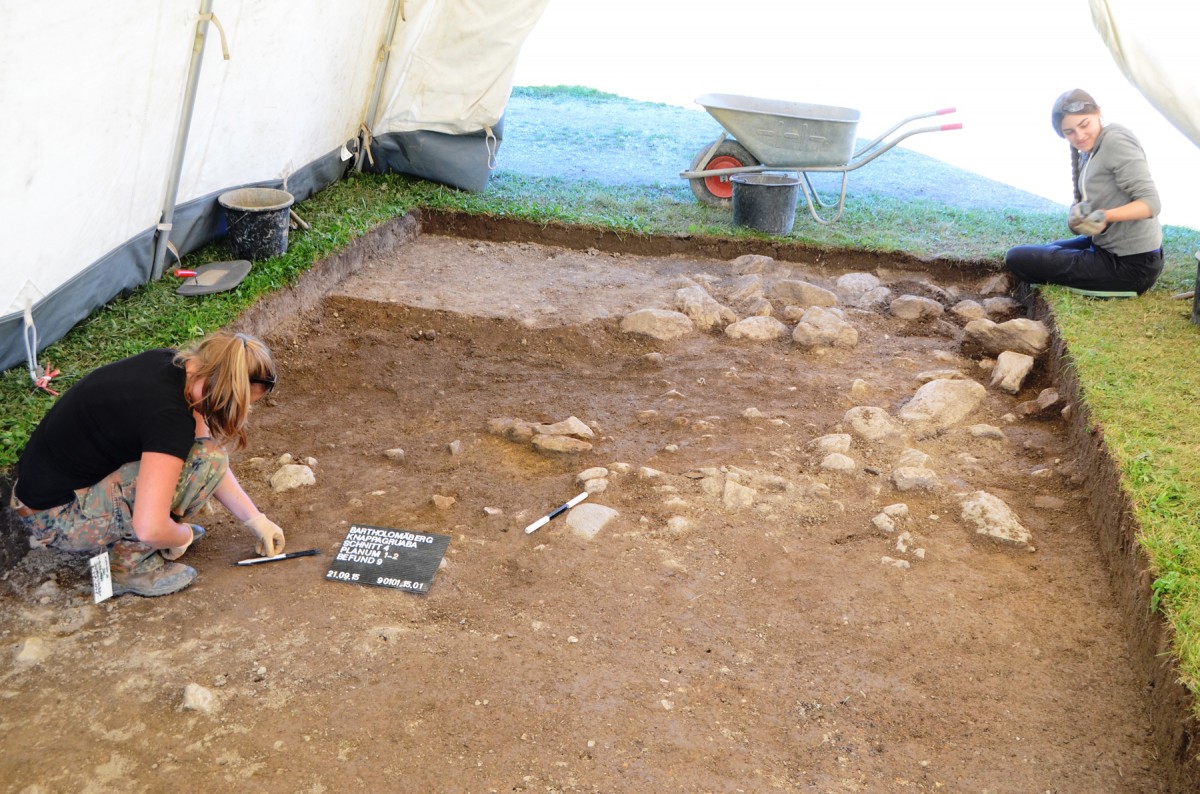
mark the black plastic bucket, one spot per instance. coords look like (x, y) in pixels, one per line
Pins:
(258, 221)
(766, 202)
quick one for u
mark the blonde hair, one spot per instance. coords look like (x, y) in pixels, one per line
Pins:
(227, 362)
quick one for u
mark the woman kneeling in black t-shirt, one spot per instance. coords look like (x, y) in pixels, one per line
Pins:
(129, 453)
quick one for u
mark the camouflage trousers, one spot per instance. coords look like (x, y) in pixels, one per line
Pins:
(100, 518)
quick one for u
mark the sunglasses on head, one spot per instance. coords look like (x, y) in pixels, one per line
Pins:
(267, 381)
(1078, 106)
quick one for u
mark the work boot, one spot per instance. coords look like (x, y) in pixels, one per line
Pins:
(164, 580)
(197, 533)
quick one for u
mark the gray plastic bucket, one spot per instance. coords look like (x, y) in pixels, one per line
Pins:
(766, 202)
(258, 221)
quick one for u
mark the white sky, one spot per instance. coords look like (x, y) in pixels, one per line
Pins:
(1000, 63)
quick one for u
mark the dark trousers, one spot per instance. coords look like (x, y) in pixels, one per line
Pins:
(1078, 263)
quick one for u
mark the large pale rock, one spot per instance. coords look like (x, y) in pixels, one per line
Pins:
(1002, 306)
(912, 458)
(912, 478)
(745, 288)
(853, 286)
(564, 444)
(836, 461)
(988, 515)
(198, 698)
(1011, 370)
(757, 328)
(1048, 403)
(942, 403)
(736, 496)
(915, 307)
(874, 425)
(512, 429)
(1021, 335)
(293, 475)
(571, 426)
(658, 323)
(703, 309)
(834, 442)
(752, 263)
(968, 310)
(801, 293)
(586, 520)
(821, 327)
(31, 651)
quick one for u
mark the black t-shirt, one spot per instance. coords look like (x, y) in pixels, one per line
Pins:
(107, 419)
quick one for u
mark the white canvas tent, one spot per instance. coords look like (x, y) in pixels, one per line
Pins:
(106, 146)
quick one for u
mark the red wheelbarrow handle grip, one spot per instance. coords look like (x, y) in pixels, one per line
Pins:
(185, 273)
(957, 126)
(944, 111)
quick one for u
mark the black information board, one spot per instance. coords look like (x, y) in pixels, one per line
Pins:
(383, 557)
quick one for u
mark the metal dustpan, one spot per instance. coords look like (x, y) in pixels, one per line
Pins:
(215, 277)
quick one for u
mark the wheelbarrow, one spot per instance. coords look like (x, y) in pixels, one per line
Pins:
(775, 135)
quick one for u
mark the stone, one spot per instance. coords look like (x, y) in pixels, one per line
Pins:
(1021, 335)
(833, 442)
(883, 522)
(853, 286)
(198, 698)
(572, 426)
(908, 478)
(455, 448)
(745, 289)
(897, 510)
(969, 310)
(912, 458)
(512, 429)
(836, 461)
(1047, 404)
(990, 432)
(588, 519)
(736, 496)
(873, 299)
(821, 327)
(993, 285)
(801, 293)
(647, 473)
(1011, 370)
(595, 472)
(942, 403)
(597, 485)
(873, 424)
(903, 565)
(989, 516)
(443, 502)
(702, 308)
(660, 324)
(1002, 306)
(757, 328)
(752, 263)
(291, 476)
(32, 651)
(860, 391)
(915, 307)
(564, 444)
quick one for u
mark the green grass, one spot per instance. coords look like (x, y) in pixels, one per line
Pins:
(1135, 359)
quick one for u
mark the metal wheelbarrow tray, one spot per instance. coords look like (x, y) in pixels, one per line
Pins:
(775, 135)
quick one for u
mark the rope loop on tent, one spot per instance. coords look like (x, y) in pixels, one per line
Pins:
(489, 140)
(37, 373)
(365, 132)
(211, 17)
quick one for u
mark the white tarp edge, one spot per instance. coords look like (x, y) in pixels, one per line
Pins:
(1168, 77)
(452, 64)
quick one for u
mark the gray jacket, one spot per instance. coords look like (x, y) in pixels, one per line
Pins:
(1112, 175)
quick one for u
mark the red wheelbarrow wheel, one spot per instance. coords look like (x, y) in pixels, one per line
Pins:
(718, 190)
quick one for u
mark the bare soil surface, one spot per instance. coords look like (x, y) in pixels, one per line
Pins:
(689, 646)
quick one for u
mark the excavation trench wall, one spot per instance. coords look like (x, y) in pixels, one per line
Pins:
(1175, 728)
(1173, 720)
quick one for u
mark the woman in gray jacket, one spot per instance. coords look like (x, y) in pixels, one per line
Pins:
(1115, 210)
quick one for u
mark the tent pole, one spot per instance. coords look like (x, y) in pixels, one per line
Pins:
(385, 53)
(185, 122)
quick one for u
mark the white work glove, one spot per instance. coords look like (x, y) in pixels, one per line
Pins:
(175, 552)
(270, 536)
(1082, 219)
